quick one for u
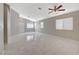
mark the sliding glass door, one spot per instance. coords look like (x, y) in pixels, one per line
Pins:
(1, 28)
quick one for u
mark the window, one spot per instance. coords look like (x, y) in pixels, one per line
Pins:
(68, 24)
(30, 25)
(59, 24)
(42, 25)
(64, 24)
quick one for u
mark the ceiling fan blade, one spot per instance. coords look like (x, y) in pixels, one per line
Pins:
(55, 8)
(61, 10)
(50, 9)
(59, 6)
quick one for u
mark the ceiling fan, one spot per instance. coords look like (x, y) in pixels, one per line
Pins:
(56, 8)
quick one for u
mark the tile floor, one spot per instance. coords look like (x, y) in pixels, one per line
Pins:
(41, 44)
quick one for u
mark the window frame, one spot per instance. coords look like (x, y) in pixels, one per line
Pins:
(64, 27)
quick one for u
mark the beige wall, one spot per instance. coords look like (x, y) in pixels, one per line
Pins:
(17, 24)
(21, 25)
(50, 27)
(14, 18)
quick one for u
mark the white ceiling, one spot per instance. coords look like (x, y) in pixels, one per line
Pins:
(31, 11)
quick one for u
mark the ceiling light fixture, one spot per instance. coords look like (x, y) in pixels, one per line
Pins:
(39, 8)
